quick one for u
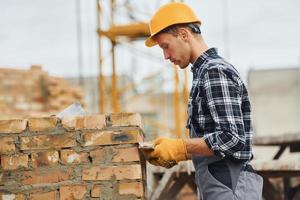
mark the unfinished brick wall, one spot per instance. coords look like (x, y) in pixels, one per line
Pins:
(33, 92)
(87, 157)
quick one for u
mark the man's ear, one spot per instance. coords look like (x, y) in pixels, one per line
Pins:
(183, 33)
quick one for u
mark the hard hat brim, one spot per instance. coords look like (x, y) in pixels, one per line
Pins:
(150, 42)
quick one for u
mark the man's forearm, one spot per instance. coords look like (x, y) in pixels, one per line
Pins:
(198, 146)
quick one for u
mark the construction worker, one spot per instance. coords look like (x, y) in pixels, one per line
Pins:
(219, 112)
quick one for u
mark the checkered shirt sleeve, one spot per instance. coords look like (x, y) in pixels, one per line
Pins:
(225, 106)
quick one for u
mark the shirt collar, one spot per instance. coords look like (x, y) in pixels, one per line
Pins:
(200, 60)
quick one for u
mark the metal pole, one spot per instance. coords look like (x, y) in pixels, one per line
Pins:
(114, 90)
(101, 78)
(79, 41)
(177, 109)
(114, 80)
(186, 98)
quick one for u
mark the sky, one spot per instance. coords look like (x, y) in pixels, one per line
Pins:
(252, 34)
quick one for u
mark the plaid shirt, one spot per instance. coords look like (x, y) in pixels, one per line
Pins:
(219, 107)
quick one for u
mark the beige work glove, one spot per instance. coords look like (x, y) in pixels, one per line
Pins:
(167, 152)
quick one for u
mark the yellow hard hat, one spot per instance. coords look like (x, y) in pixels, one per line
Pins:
(167, 15)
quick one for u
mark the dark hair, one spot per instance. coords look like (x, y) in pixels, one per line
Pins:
(173, 29)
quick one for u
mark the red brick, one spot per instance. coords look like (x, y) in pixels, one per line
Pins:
(128, 172)
(126, 119)
(42, 124)
(96, 191)
(112, 172)
(125, 154)
(54, 81)
(72, 157)
(97, 173)
(109, 137)
(13, 126)
(7, 145)
(69, 122)
(45, 196)
(92, 122)
(47, 141)
(55, 91)
(98, 155)
(135, 188)
(47, 158)
(45, 176)
(14, 162)
(12, 196)
(77, 92)
(72, 192)
(37, 106)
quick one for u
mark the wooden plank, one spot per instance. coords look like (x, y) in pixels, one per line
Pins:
(296, 192)
(164, 183)
(192, 184)
(269, 191)
(277, 168)
(276, 165)
(295, 148)
(270, 140)
(279, 153)
(176, 187)
(287, 189)
(278, 174)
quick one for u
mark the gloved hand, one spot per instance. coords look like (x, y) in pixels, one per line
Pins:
(162, 163)
(167, 152)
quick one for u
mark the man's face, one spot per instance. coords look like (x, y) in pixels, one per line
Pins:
(174, 49)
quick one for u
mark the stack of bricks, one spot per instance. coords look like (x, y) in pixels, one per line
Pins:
(27, 93)
(60, 94)
(83, 157)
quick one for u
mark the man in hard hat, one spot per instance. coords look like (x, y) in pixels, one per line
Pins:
(219, 112)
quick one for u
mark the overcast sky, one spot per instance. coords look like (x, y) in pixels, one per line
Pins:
(254, 33)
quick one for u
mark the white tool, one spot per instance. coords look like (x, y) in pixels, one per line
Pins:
(74, 109)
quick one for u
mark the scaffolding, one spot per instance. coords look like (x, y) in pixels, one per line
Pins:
(132, 32)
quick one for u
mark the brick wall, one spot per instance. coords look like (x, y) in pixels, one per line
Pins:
(87, 157)
(33, 92)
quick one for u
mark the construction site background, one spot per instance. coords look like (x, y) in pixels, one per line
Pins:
(96, 57)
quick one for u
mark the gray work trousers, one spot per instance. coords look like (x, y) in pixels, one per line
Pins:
(244, 185)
